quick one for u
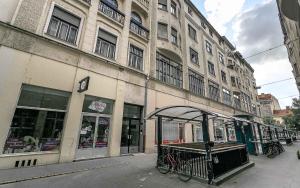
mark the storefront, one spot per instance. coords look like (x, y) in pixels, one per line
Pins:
(38, 121)
(95, 126)
(132, 130)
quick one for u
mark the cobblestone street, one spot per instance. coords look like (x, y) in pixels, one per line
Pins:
(138, 171)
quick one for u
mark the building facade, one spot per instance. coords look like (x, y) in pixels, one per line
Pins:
(289, 16)
(279, 115)
(77, 77)
(268, 103)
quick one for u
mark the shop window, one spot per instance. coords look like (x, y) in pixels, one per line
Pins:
(38, 120)
(136, 57)
(106, 44)
(63, 25)
(219, 131)
(163, 5)
(170, 132)
(162, 31)
(198, 133)
(231, 134)
(97, 105)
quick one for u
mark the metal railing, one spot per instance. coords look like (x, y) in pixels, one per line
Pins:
(145, 3)
(87, 1)
(139, 29)
(111, 12)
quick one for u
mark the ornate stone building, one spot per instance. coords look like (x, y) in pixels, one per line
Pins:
(77, 77)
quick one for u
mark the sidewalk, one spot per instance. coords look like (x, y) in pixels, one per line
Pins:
(8, 176)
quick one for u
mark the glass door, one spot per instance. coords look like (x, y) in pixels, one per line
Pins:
(130, 138)
(93, 138)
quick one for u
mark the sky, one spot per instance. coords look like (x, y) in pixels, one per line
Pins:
(253, 26)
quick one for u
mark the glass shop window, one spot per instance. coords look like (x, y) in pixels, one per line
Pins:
(170, 132)
(38, 120)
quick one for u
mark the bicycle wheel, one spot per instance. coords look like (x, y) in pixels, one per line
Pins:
(270, 152)
(163, 164)
(185, 171)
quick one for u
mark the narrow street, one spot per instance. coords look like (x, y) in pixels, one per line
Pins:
(138, 171)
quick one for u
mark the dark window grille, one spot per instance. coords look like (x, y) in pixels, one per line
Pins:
(168, 71)
(196, 83)
(110, 9)
(136, 57)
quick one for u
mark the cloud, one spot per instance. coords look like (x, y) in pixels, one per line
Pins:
(256, 30)
(221, 12)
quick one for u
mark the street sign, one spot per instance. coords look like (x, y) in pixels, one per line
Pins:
(84, 84)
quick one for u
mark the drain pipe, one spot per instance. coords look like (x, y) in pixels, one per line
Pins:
(145, 109)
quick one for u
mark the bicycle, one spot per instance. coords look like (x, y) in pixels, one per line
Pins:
(169, 162)
(273, 149)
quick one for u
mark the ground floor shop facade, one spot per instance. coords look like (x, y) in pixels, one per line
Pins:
(45, 119)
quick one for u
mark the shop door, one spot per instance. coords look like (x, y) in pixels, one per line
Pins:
(249, 139)
(130, 139)
(93, 138)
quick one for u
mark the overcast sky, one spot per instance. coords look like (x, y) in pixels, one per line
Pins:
(253, 26)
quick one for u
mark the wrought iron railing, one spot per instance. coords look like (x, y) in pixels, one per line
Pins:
(111, 12)
(87, 1)
(139, 29)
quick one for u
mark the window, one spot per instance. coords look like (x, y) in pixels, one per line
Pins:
(113, 3)
(223, 76)
(196, 83)
(38, 120)
(198, 133)
(174, 36)
(106, 44)
(211, 33)
(226, 96)
(203, 25)
(136, 18)
(233, 82)
(170, 132)
(64, 26)
(221, 58)
(168, 71)
(213, 91)
(219, 131)
(237, 101)
(163, 5)
(190, 11)
(162, 30)
(192, 33)
(194, 56)
(211, 68)
(231, 134)
(136, 57)
(208, 47)
(173, 8)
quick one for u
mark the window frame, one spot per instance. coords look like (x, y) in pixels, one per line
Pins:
(96, 43)
(211, 68)
(196, 83)
(132, 53)
(48, 20)
(173, 8)
(223, 77)
(221, 58)
(208, 47)
(192, 51)
(167, 32)
(174, 39)
(162, 6)
(190, 28)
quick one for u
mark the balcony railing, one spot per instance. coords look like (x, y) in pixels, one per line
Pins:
(111, 12)
(145, 3)
(139, 29)
(87, 1)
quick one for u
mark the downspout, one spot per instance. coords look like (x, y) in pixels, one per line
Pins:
(145, 109)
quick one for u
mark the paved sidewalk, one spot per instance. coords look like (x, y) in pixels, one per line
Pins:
(30, 173)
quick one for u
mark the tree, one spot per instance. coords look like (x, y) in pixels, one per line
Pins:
(269, 120)
(293, 121)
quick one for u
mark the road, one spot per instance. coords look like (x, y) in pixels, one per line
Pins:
(138, 172)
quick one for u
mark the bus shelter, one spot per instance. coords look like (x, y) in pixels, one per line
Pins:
(210, 161)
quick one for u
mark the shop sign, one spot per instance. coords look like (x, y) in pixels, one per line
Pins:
(84, 84)
(98, 106)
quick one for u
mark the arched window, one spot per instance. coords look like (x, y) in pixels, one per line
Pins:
(114, 3)
(136, 17)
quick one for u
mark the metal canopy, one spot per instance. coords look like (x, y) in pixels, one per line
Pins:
(188, 113)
